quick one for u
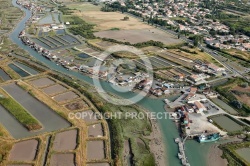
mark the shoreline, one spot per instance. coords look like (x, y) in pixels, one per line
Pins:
(155, 144)
(214, 156)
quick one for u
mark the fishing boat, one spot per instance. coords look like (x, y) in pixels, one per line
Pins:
(209, 138)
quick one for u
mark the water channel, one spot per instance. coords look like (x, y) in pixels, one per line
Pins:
(195, 151)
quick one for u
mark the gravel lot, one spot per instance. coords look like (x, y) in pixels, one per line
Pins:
(65, 141)
(24, 151)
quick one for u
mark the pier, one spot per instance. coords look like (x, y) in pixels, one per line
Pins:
(181, 154)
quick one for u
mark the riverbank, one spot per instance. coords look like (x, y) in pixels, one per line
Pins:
(214, 157)
(196, 152)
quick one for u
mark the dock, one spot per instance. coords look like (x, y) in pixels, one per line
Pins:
(181, 154)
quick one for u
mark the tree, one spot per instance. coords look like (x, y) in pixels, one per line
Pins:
(237, 104)
(197, 39)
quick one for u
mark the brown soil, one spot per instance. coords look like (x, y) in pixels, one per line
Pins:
(24, 151)
(76, 105)
(42, 82)
(65, 141)
(95, 150)
(62, 160)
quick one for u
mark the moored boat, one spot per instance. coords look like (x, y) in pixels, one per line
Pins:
(209, 137)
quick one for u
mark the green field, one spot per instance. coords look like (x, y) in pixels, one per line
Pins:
(244, 153)
(224, 106)
(236, 153)
(226, 123)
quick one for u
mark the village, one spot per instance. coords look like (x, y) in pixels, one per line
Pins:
(191, 17)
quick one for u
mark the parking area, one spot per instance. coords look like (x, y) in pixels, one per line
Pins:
(200, 121)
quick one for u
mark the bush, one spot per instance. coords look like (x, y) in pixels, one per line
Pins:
(244, 85)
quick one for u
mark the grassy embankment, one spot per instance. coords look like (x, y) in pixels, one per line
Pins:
(19, 112)
(233, 158)
(120, 129)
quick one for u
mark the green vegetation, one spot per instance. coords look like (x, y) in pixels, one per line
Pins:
(229, 152)
(80, 27)
(65, 10)
(120, 129)
(5, 147)
(20, 113)
(227, 95)
(77, 25)
(145, 44)
(115, 29)
(229, 124)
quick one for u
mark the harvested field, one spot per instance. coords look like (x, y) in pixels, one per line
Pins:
(95, 130)
(62, 160)
(244, 99)
(42, 82)
(199, 55)
(65, 96)
(241, 89)
(54, 89)
(65, 140)
(105, 20)
(105, 44)
(89, 116)
(98, 164)
(24, 151)
(241, 54)
(76, 105)
(95, 150)
(139, 36)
